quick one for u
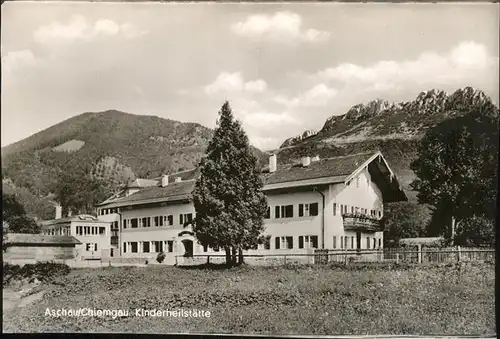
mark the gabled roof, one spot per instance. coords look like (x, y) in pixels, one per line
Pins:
(338, 167)
(175, 191)
(36, 239)
(81, 217)
(140, 183)
(321, 172)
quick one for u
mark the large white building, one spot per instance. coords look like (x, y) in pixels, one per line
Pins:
(334, 203)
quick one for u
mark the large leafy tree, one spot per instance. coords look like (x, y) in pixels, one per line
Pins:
(404, 220)
(78, 191)
(456, 169)
(228, 198)
(14, 217)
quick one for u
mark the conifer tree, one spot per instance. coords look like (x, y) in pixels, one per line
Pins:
(228, 198)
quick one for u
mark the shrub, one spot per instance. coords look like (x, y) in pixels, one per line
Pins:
(42, 271)
(160, 257)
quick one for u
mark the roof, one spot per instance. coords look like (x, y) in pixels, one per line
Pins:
(139, 183)
(81, 217)
(338, 167)
(172, 192)
(186, 175)
(321, 172)
(34, 239)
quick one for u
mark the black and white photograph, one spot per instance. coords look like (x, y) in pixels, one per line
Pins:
(280, 169)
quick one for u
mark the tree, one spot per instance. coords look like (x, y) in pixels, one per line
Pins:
(456, 169)
(404, 220)
(228, 198)
(77, 191)
(14, 217)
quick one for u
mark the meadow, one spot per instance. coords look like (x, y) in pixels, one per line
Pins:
(388, 299)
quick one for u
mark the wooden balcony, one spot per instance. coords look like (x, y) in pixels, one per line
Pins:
(362, 223)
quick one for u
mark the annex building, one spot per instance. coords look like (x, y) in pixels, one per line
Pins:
(333, 203)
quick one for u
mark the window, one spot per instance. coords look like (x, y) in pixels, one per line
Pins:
(115, 224)
(352, 242)
(267, 243)
(341, 243)
(185, 219)
(308, 241)
(334, 242)
(306, 210)
(124, 247)
(124, 223)
(146, 222)
(91, 247)
(133, 223)
(285, 211)
(216, 248)
(367, 242)
(160, 221)
(379, 242)
(379, 214)
(170, 220)
(133, 247)
(170, 245)
(345, 242)
(158, 246)
(374, 243)
(156, 221)
(352, 209)
(268, 213)
(283, 242)
(102, 230)
(205, 248)
(145, 246)
(356, 210)
(334, 209)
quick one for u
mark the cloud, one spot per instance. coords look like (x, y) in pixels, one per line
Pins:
(78, 28)
(264, 143)
(462, 62)
(317, 96)
(265, 120)
(17, 59)
(281, 26)
(234, 82)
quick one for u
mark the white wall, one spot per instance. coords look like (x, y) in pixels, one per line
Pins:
(360, 193)
(103, 241)
(296, 226)
(157, 233)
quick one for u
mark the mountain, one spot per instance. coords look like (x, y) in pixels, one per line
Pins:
(113, 145)
(393, 128)
(297, 139)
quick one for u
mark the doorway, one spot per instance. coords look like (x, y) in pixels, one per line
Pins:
(188, 248)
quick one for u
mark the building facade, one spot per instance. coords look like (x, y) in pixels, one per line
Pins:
(335, 203)
(93, 234)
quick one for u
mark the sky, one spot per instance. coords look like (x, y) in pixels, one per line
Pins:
(284, 68)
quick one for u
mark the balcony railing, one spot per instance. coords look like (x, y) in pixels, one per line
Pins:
(362, 223)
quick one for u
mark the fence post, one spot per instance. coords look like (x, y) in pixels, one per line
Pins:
(458, 253)
(397, 258)
(419, 253)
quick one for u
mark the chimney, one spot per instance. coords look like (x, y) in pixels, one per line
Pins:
(316, 158)
(178, 179)
(306, 161)
(273, 160)
(58, 212)
(164, 181)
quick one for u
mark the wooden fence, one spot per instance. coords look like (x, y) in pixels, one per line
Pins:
(398, 255)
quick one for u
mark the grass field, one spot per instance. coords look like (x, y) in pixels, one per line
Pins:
(427, 300)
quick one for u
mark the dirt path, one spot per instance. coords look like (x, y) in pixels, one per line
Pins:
(13, 298)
